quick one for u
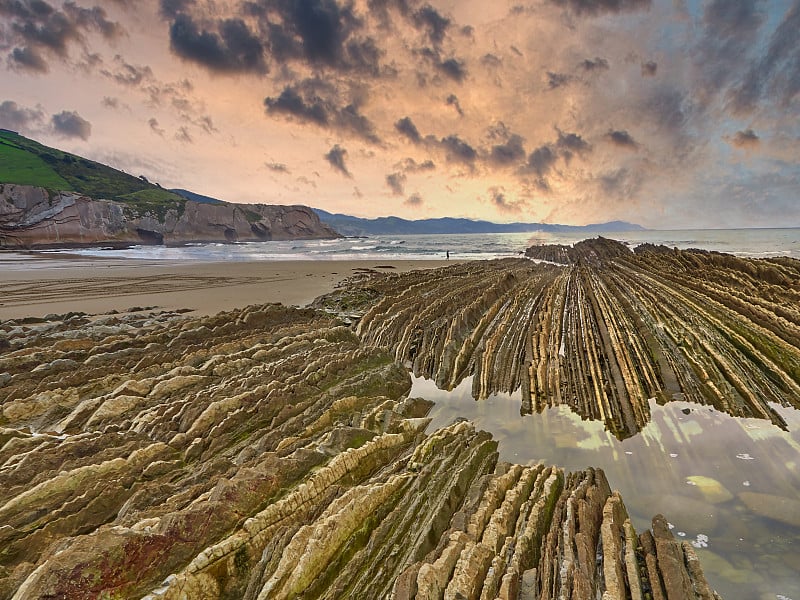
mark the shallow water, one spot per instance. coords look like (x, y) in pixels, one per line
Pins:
(690, 467)
(744, 242)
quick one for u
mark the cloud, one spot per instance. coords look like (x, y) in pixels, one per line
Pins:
(37, 29)
(110, 102)
(499, 200)
(336, 157)
(429, 19)
(557, 80)
(183, 135)
(598, 64)
(19, 118)
(452, 100)
(407, 128)
(571, 143)
(540, 162)
(277, 167)
(409, 165)
(317, 102)
(776, 74)
(27, 59)
(396, 182)
(127, 74)
(71, 124)
(232, 48)
(745, 139)
(414, 200)
(593, 8)
(512, 151)
(154, 127)
(454, 68)
(649, 68)
(171, 8)
(458, 150)
(622, 139)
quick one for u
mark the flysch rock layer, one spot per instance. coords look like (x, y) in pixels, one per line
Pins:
(33, 217)
(603, 333)
(269, 453)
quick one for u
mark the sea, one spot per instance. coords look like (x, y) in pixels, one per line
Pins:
(701, 468)
(742, 242)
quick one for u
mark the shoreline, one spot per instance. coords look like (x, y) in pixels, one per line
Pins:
(99, 285)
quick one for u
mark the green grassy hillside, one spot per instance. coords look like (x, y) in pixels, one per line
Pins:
(26, 162)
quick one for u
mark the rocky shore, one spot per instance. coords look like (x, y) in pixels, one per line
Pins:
(596, 327)
(33, 217)
(273, 452)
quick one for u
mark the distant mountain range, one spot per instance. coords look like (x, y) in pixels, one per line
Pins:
(355, 226)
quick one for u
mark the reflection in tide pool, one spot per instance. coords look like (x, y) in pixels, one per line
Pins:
(730, 486)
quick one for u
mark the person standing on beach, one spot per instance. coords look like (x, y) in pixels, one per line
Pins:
(448, 254)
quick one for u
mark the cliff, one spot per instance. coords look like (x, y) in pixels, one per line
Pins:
(33, 217)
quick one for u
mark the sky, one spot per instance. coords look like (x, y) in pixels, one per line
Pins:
(665, 113)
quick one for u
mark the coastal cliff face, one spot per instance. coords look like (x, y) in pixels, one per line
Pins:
(33, 217)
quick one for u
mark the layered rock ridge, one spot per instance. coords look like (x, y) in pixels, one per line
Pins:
(602, 333)
(33, 217)
(269, 453)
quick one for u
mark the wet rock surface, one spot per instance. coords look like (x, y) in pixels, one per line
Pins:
(270, 453)
(602, 333)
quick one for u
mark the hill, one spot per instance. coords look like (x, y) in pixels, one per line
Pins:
(26, 162)
(353, 226)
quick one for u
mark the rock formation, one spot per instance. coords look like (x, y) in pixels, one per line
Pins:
(270, 453)
(603, 334)
(32, 217)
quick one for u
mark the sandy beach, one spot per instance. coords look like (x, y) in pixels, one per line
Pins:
(37, 285)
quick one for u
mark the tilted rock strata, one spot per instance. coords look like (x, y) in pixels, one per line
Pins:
(602, 334)
(268, 453)
(32, 217)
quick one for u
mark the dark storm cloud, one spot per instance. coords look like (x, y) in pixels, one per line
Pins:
(649, 68)
(414, 200)
(429, 19)
(452, 100)
(232, 48)
(396, 183)
(622, 139)
(571, 143)
(314, 101)
(406, 127)
(557, 80)
(71, 124)
(776, 74)
(592, 8)
(511, 152)
(454, 68)
(458, 150)
(36, 29)
(19, 118)
(598, 64)
(27, 59)
(745, 139)
(336, 157)
(541, 161)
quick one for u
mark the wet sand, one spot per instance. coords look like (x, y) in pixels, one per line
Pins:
(37, 285)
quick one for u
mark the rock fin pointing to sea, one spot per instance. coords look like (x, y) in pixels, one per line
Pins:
(270, 453)
(597, 328)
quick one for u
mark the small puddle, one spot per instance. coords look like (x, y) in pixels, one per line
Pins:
(713, 476)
